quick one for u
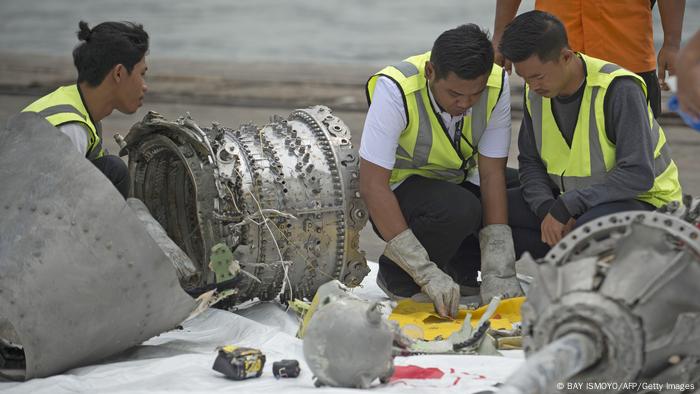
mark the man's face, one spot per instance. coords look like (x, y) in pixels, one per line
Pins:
(131, 88)
(546, 78)
(453, 94)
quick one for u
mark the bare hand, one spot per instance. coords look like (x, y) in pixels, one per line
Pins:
(666, 63)
(569, 226)
(553, 231)
(502, 61)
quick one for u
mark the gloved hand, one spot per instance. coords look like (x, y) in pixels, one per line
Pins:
(497, 263)
(407, 252)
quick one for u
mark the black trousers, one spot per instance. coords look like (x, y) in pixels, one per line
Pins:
(525, 225)
(116, 171)
(653, 91)
(446, 218)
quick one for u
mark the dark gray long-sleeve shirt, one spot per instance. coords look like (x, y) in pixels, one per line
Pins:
(626, 125)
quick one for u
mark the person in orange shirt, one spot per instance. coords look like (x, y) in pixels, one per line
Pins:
(618, 31)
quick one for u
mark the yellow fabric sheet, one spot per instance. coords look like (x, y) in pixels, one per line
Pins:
(420, 321)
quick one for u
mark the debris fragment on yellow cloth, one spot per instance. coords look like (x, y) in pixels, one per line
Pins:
(422, 322)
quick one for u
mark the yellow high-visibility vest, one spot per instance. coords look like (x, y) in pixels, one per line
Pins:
(65, 105)
(425, 147)
(592, 155)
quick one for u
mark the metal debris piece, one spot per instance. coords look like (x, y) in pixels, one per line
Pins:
(348, 342)
(81, 277)
(328, 291)
(283, 197)
(223, 264)
(615, 301)
(186, 271)
(466, 340)
(508, 339)
(688, 209)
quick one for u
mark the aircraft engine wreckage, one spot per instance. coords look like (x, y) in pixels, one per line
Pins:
(284, 198)
(615, 301)
(83, 274)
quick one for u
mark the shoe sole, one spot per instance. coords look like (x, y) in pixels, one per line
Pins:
(382, 285)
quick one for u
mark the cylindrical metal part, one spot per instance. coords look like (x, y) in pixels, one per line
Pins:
(283, 197)
(554, 364)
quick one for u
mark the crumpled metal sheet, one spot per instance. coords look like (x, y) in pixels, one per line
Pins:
(80, 276)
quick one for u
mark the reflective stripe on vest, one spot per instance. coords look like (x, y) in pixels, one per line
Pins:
(591, 155)
(65, 105)
(59, 109)
(423, 147)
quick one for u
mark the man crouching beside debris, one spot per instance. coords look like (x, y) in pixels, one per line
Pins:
(589, 144)
(111, 66)
(435, 142)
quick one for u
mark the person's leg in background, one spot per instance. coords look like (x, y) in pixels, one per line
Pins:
(440, 214)
(525, 226)
(653, 91)
(116, 171)
(465, 264)
(512, 178)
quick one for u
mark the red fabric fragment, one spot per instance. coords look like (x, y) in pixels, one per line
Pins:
(416, 372)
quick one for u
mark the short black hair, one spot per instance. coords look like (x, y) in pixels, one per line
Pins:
(464, 50)
(106, 45)
(533, 33)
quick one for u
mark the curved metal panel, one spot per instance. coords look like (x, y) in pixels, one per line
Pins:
(80, 276)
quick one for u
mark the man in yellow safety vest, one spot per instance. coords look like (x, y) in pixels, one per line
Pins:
(432, 172)
(589, 143)
(111, 64)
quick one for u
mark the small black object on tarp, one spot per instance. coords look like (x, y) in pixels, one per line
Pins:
(286, 369)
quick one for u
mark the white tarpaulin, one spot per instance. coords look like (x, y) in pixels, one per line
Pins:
(180, 361)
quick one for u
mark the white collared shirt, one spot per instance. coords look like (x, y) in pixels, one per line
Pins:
(448, 120)
(386, 119)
